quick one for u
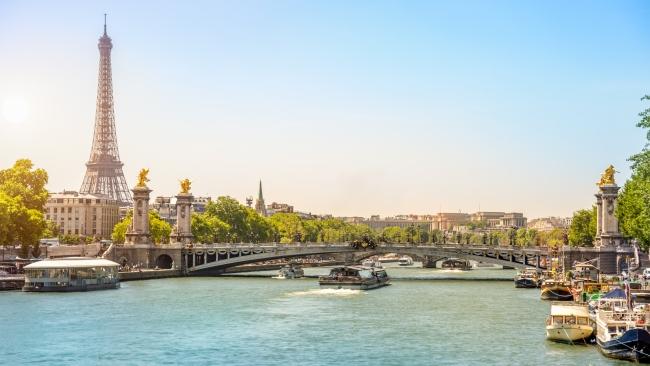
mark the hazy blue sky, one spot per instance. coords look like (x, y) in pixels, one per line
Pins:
(343, 107)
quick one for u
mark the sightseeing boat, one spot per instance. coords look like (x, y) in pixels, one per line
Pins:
(455, 263)
(291, 271)
(71, 274)
(388, 258)
(621, 331)
(569, 323)
(355, 278)
(556, 290)
(527, 278)
(405, 261)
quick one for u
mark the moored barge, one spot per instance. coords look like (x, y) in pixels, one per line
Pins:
(71, 274)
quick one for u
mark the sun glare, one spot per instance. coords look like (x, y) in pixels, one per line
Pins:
(15, 110)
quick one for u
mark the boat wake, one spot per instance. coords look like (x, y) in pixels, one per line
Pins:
(452, 271)
(327, 292)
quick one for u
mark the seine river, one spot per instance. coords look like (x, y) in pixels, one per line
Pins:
(263, 321)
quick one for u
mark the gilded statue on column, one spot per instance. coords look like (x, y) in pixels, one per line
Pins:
(142, 178)
(185, 185)
(607, 178)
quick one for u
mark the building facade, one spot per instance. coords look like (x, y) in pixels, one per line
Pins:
(166, 207)
(83, 214)
(549, 223)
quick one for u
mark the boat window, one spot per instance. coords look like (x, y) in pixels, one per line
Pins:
(365, 274)
(557, 320)
(570, 319)
(611, 329)
(582, 320)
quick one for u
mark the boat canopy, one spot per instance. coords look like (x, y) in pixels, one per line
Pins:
(569, 310)
(73, 262)
(614, 294)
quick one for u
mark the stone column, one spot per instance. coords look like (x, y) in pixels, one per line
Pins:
(183, 230)
(138, 232)
(599, 214)
(609, 234)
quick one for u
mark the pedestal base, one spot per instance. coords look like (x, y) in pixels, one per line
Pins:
(138, 238)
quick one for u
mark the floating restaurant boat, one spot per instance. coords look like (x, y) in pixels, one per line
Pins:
(622, 332)
(291, 271)
(456, 263)
(405, 261)
(355, 278)
(71, 274)
(556, 290)
(569, 323)
(527, 278)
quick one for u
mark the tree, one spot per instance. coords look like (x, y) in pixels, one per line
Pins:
(22, 197)
(393, 234)
(209, 229)
(633, 209)
(582, 231)
(234, 214)
(289, 227)
(159, 228)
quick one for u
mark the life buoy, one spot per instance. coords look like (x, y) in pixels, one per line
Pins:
(640, 321)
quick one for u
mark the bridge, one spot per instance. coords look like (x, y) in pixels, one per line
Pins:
(214, 259)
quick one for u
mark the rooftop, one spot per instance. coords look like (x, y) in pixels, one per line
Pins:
(72, 262)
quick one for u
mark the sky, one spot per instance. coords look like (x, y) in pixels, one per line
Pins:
(340, 107)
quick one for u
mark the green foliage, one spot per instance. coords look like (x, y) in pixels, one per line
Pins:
(393, 234)
(554, 238)
(226, 220)
(159, 228)
(70, 239)
(641, 161)
(22, 197)
(119, 230)
(209, 229)
(633, 209)
(582, 231)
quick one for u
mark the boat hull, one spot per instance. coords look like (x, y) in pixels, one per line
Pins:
(569, 333)
(633, 345)
(556, 294)
(352, 285)
(72, 288)
(525, 283)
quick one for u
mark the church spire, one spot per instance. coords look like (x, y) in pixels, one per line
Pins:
(260, 207)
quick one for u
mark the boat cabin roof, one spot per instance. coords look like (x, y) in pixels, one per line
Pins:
(569, 310)
(72, 262)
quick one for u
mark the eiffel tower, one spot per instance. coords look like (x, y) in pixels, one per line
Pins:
(104, 169)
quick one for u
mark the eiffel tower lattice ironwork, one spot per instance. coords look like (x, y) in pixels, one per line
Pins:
(104, 173)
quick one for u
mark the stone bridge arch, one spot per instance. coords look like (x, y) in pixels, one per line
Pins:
(214, 260)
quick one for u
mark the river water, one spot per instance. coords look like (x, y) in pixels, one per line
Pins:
(430, 319)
